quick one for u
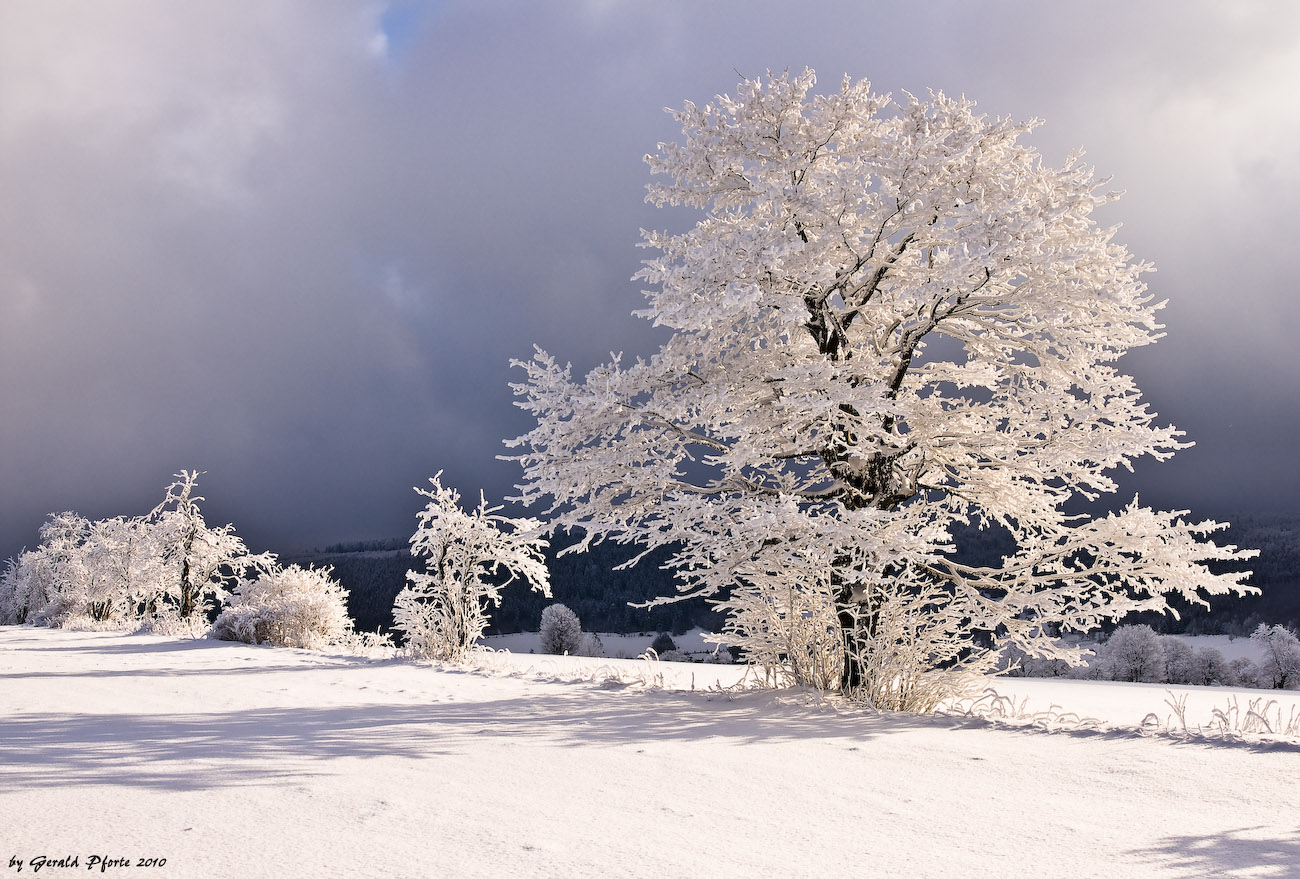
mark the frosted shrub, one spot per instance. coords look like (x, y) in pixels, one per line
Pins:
(560, 632)
(1133, 653)
(443, 612)
(292, 607)
(785, 624)
(1280, 667)
(12, 611)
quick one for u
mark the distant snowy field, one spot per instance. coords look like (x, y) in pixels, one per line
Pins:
(240, 761)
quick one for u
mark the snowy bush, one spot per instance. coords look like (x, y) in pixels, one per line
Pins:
(443, 612)
(560, 632)
(721, 656)
(1133, 653)
(786, 626)
(292, 607)
(1280, 667)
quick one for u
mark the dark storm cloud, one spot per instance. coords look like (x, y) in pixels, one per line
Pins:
(295, 244)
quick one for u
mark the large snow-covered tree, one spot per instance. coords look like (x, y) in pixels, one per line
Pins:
(469, 556)
(892, 318)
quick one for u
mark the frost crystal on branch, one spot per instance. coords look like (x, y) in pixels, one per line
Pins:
(891, 319)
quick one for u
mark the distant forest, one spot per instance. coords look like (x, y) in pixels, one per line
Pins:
(374, 572)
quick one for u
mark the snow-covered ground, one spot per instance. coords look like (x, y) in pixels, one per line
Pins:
(231, 760)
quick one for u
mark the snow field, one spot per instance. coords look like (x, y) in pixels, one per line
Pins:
(234, 760)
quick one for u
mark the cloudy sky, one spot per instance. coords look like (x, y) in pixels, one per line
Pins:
(295, 244)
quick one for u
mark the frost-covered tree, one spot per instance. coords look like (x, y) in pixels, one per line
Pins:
(560, 631)
(467, 556)
(892, 317)
(124, 565)
(23, 588)
(1280, 666)
(1181, 666)
(1209, 667)
(1245, 673)
(288, 607)
(1133, 653)
(60, 582)
(203, 562)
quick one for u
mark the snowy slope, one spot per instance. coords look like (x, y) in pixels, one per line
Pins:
(230, 760)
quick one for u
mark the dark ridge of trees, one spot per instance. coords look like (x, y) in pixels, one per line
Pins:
(374, 571)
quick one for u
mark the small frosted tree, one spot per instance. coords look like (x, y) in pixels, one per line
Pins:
(60, 581)
(468, 558)
(1209, 667)
(560, 632)
(124, 565)
(1280, 665)
(23, 588)
(288, 607)
(203, 562)
(1134, 653)
(892, 319)
(1181, 666)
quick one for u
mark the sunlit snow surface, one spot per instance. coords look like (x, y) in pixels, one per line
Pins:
(231, 760)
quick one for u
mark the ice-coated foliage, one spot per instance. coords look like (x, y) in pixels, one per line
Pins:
(893, 317)
(288, 607)
(1210, 668)
(1244, 673)
(1133, 653)
(1280, 667)
(560, 631)
(203, 562)
(443, 612)
(56, 581)
(1180, 661)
